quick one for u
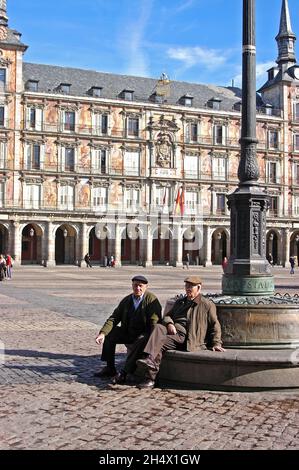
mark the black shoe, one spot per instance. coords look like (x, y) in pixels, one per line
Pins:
(106, 372)
(148, 383)
(120, 378)
(148, 362)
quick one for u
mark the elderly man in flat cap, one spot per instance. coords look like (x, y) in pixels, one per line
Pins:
(138, 313)
(191, 324)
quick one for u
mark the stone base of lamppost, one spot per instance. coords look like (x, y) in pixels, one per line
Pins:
(247, 285)
(235, 369)
(261, 337)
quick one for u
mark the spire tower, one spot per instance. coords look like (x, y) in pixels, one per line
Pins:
(285, 39)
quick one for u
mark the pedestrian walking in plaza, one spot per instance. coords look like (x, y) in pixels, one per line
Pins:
(270, 258)
(8, 266)
(190, 325)
(137, 314)
(187, 261)
(224, 264)
(112, 262)
(87, 261)
(292, 263)
(2, 268)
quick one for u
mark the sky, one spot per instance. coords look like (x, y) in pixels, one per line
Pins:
(196, 41)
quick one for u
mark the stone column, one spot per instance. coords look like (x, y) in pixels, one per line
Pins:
(178, 247)
(149, 248)
(207, 247)
(285, 247)
(17, 244)
(50, 261)
(117, 245)
(83, 245)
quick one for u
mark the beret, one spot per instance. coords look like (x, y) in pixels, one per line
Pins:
(193, 280)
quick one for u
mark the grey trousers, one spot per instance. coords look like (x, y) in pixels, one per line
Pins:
(159, 342)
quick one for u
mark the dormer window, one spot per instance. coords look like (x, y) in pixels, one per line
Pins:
(237, 106)
(127, 95)
(95, 91)
(157, 98)
(31, 85)
(65, 88)
(214, 103)
(186, 100)
(272, 73)
(268, 109)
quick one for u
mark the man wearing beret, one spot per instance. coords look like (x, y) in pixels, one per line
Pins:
(191, 324)
(137, 313)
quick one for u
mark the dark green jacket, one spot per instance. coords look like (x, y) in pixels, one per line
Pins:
(150, 309)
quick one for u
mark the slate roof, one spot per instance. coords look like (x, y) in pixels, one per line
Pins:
(14, 38)
(50, 77)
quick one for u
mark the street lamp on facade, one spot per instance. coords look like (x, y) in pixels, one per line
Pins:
(31, 234)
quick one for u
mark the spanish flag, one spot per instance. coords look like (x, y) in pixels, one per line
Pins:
(180, 202)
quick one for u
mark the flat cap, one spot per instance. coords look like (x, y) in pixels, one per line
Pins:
(141, 279)
(195, 280)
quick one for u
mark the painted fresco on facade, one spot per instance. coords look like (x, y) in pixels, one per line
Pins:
(50, 193)
(83, 194)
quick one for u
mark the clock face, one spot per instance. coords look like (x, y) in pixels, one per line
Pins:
(296, 73)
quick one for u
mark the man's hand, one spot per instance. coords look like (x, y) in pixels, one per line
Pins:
(100, 338)
(171, 329)
(218, 348)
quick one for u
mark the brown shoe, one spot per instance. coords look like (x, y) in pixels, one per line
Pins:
(148, 383)
(105, 372)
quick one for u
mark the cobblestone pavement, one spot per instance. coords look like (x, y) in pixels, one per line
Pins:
(50, 400)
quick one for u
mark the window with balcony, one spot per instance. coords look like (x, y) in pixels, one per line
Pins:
(133, 127)
(100, 123)
(162, 198)
(219, 134)
(66, 197)
(132, 199)
(219, 168)
(191, 200)
(69, 121)
(69, 159)
(100, 198)
(2, 189)
(2, 79)
(34, 118)
(33, 160)
(296, 174)
(296, 111)
(273, 139)
(32, 196)
(192, 132)
(191, 166)
(131, 163)
(3, 150)
(220, 203)
(296, 206)
(272, 172)
(296, 142)
(100, 161)
(273, 208)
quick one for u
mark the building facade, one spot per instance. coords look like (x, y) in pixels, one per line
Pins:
(137, 168)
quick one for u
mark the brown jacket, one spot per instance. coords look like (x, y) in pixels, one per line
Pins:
(203, 327)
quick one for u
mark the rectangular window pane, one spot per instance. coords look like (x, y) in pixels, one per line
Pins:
(194, 132)
(191, 166)
(69, 159)
(36, 157)
(296, 141)
(32, 118)
(272, 176)
(69, 121)
(133, 127)
(104, 124)
(1, 115)
(220, 203)
(2, 79)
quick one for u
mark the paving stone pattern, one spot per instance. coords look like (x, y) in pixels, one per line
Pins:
(50, 399)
